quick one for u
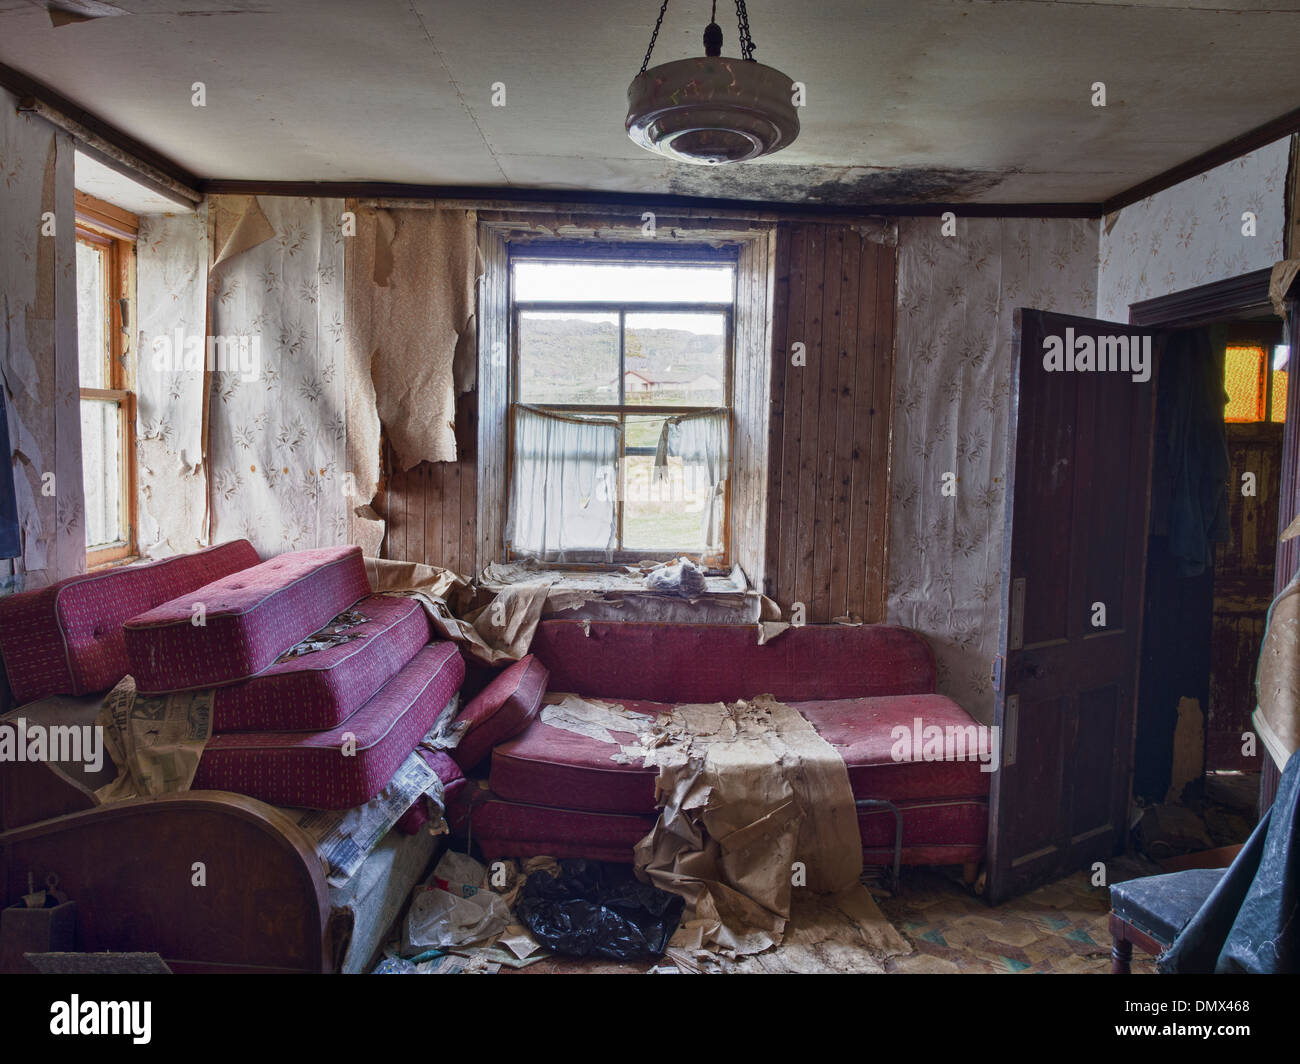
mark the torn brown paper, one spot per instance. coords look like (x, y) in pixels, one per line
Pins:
(1279, 283)
(749, 792)
(593, 718)
(411, 327)
(501, 631)
(238, 224)
(1277, 684)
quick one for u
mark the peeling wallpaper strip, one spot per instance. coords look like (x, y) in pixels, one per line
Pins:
(39, 356)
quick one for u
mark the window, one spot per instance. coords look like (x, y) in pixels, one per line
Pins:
(620, 391)
(1255, 378)
(104, 253)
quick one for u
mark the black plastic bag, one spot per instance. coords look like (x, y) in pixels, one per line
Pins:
(594, 910)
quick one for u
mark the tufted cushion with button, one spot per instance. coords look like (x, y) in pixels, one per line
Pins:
(234, 628)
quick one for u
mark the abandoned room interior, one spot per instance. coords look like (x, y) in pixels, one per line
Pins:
(692, 489)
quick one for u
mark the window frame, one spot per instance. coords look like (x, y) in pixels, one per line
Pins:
(113, 230)
(678, 255)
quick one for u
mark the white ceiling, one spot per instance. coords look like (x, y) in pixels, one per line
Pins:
(102, 182)
(908, 100)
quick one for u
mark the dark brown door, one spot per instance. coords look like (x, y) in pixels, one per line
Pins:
(1077, 496)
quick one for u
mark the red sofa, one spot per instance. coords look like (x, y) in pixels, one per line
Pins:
(557, 793)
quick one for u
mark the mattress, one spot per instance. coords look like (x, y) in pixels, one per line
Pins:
(234, 628)
(548, 766)
(348, 764)
(320, 690)
(66, 639)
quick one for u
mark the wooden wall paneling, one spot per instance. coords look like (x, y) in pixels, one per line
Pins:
(492, 399)
(782, 258)
(845, 399)
(784, 497)
(751, 361)
(866, 351)
(822, 545)
(809, 441)
(881, 414)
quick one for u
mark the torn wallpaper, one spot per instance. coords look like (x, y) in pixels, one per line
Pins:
(171, 278)
(277, 427)
(38, 343)
(956, 302)
(411, 327)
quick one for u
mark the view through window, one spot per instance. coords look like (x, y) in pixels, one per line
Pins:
(106, 403)
(621, 401)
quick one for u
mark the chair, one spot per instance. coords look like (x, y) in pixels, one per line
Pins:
(1151, 911)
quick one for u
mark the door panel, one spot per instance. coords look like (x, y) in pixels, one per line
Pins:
(1080, 453)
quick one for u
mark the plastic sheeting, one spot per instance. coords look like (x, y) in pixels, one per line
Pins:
(1248, 923)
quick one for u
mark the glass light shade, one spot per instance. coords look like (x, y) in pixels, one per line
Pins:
(712, 110)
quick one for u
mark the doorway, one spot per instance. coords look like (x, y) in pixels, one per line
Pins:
(1197, 763)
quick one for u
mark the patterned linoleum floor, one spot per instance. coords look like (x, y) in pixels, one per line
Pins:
(1061, 927)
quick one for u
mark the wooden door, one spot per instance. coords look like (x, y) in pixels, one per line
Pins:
(1077, 497)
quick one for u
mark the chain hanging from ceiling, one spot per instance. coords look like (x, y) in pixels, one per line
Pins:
(742, 22)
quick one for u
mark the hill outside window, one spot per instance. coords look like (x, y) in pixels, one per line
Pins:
(620, 427)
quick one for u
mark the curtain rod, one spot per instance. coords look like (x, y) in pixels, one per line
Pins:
(121, 160)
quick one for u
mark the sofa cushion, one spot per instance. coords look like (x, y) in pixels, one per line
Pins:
(509, 829)
(348, 764)
(862, 730)
(551, 766)
(720, 663)
(316, 691)
(934, 832)
(501, 710)
(249, 620)
(67, 638)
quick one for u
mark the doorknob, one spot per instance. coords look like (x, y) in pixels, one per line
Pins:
(1032, 670)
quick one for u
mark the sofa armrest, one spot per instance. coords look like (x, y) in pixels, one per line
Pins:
(504, 708)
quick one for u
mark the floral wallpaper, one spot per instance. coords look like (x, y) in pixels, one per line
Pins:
(276, 450)
(956, 299)
(1191, 234)
(171, 271)
(38, 345)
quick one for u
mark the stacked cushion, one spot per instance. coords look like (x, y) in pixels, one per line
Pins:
(68, 639)
(320, 690)
(248, 620)
(348, 764)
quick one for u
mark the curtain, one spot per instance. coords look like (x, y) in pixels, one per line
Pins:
(703, 443)
(564, 484)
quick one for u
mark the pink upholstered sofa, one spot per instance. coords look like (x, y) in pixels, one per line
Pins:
(558, 793)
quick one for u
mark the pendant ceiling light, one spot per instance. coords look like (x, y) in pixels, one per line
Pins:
(712, 109)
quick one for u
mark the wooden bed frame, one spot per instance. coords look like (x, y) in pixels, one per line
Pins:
(134, 869)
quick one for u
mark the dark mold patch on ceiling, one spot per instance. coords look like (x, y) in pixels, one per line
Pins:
(840, 186)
